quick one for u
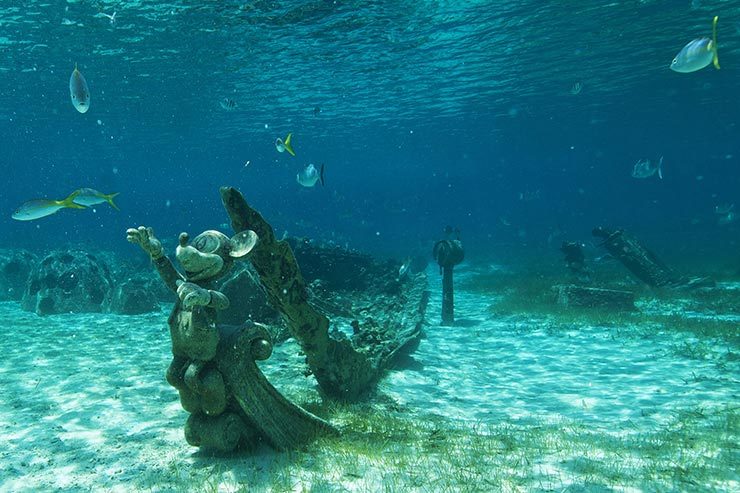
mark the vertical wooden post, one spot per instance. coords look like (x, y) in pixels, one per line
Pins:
(448, 297)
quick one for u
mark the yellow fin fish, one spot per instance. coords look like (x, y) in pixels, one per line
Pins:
(698, 53)
(90, 196)
(285, 145)
(36, 209)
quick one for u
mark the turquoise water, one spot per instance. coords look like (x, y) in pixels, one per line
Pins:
(430, 113)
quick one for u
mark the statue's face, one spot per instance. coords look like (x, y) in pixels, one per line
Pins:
(206, 258)
(211, 253)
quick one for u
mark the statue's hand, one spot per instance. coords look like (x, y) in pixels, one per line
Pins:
(192, 295)
(144, 237)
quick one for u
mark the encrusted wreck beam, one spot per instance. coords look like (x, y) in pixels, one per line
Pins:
(285, 425)
(341, 371)
(570, 295)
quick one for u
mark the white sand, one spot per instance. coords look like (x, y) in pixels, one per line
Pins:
(85, 406)
(490, 370)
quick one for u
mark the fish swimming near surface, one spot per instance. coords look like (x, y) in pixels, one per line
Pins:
(90, 196)
(698, 53)
(36, 209)
(111, 18)
(284, 145)
(78, 91)
(310, 175)
(644, 168)
(228, 104)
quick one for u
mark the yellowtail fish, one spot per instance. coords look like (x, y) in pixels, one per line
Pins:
(285, 145)
(78, 91)
(698, 53)
(36, 209)
(310, 175)
(90, 196)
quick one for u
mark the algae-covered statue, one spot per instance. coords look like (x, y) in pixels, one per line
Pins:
(230, 402)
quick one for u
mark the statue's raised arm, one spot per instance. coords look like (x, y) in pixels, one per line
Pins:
(144, 237)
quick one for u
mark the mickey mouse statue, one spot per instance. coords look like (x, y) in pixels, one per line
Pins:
(193, 326)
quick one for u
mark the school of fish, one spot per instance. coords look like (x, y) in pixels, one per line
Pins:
(79, 199)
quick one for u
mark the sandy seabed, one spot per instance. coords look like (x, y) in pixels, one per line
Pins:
(85, 406)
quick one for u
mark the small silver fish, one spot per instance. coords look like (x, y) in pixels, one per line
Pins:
(403, 271)
(36, 209)
(310, 175)
(78, 91)
(644, 168)
(90, 196)
(698, 53)
(228, 104)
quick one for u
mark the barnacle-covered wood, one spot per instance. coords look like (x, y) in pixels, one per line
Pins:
(283, 424)
(384, 313)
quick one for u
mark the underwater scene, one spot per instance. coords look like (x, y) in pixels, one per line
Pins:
(370, 246)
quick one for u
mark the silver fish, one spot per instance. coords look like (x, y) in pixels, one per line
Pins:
(403, 271)
(228, 104)
(644, 168)
(698, 53)
(79, 92)
(310, 175)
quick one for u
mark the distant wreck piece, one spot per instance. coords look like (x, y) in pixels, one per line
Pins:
(448, 253)
(345, 368)
(643, 263)
(570, 296)
(575, 260)
(231, 403)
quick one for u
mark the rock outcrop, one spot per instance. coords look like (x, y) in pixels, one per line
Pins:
(15, 267)
(68, 282)
(134, 296)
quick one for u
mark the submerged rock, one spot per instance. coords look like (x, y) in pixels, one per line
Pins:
(15, 266)
(68, 282)
(140, 272)
(135, 296)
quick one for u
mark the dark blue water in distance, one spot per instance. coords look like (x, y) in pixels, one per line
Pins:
(431, 113)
